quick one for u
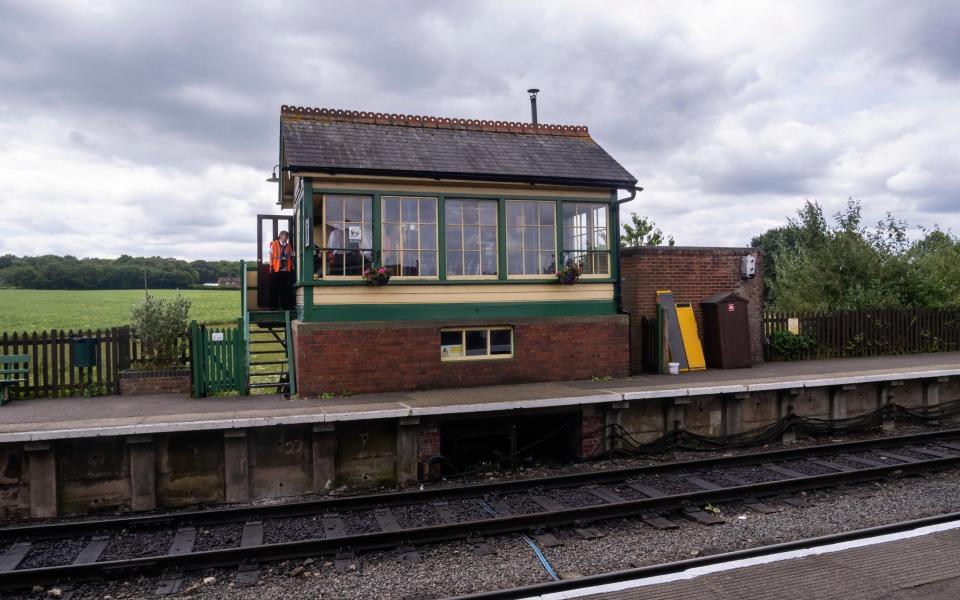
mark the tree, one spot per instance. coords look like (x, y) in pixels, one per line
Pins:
(934, 262)
(161, 326)
(126, 272)
(643, 232)
(820, 266)
(772, 243)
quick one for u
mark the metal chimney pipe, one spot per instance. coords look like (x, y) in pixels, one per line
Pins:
(533, 103)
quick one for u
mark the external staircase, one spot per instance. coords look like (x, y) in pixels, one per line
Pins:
(269, 361)
(267, 345)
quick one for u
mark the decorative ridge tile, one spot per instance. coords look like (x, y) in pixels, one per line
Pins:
(307, 113)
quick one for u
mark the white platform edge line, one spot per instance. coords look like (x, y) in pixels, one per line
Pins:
(695, 572)
(515, 405)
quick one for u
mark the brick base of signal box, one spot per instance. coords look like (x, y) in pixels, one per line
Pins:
(384, 356)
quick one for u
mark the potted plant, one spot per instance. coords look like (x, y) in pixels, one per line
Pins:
(376, 275)
(161, 327)
(570, 273)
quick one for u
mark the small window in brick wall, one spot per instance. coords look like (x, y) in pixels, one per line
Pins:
(476, 343)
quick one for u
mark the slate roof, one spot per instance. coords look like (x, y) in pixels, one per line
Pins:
(414, 146)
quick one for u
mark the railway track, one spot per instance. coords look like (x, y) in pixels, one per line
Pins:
(71, 552)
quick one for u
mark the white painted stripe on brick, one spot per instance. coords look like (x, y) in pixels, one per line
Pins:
(395, 413)
(695, 572)
(716, 389)
(423, 411)
(655, 394)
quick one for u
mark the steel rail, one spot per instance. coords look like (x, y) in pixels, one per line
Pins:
(218, 516)
(566, 585)
(232, 557)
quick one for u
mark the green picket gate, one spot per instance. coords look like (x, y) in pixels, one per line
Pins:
(218, 358)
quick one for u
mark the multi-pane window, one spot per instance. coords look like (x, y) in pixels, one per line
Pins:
(471, 237)
(409, 236)
(478, 343)
(348, 235)
(531, 238)
(585, 237)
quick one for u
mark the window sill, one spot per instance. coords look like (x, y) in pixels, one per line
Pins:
(441, 282)
(473, 359)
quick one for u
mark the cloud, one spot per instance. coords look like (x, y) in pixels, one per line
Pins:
(149, 127)
(909, 179)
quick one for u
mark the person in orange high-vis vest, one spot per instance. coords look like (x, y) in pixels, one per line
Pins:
(281, 269)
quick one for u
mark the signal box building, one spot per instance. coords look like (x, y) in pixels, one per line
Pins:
(472, 220)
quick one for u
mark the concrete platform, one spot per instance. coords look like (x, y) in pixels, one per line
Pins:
(65, 418)
(926, 567)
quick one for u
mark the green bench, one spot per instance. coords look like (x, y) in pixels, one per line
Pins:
(13, 371)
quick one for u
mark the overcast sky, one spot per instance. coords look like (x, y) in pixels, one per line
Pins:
(148, 128)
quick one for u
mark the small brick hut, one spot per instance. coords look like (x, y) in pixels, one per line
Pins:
(472, 220)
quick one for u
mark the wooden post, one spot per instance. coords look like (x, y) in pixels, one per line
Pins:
(613, 420)
(143, 473)
(407, 470)
(236, 468)
(324, 457)
(43, 479)
(785, 400)
(732, 407)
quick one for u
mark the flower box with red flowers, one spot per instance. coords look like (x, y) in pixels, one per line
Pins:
(376, 276)
(570, 274)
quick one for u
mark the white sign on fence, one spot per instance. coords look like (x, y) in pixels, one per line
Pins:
(216, 336)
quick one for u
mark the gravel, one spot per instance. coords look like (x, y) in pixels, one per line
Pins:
(276, 531)
(668, 484)
(808, 468)
(417, 515)
(357, 522)
(625, 492)
(574, 497)
(468, 510)
(521, 504)
(752, 474)
(137, 544)
(217, 537)
(52, 553)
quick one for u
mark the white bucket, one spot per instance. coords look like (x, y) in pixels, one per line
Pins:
(673, 368)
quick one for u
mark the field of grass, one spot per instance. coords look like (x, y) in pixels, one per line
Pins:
(44, 310)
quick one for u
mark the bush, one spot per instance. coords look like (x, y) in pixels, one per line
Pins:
(161, 326)
(789, 345)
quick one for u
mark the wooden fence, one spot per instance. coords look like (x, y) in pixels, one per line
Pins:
(852, 333)
(52, 373)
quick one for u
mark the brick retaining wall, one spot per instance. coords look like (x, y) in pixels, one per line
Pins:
(138, 383)
(380, 356)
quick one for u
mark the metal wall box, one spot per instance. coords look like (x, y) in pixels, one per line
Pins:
(83, 351)
(726, 331)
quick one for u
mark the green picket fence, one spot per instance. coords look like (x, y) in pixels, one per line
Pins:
(219, 359)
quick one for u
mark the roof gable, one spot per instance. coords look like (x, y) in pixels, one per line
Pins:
(374, 143)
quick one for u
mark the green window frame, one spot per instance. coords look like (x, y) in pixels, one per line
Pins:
(471, 238)
(586, 237)
(530, 245)
(408, 236)
(347, 235)
(531, 239)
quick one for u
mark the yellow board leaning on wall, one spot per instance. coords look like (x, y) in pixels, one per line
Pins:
(691, 341)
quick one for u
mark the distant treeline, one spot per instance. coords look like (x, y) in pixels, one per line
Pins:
(127, 272)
